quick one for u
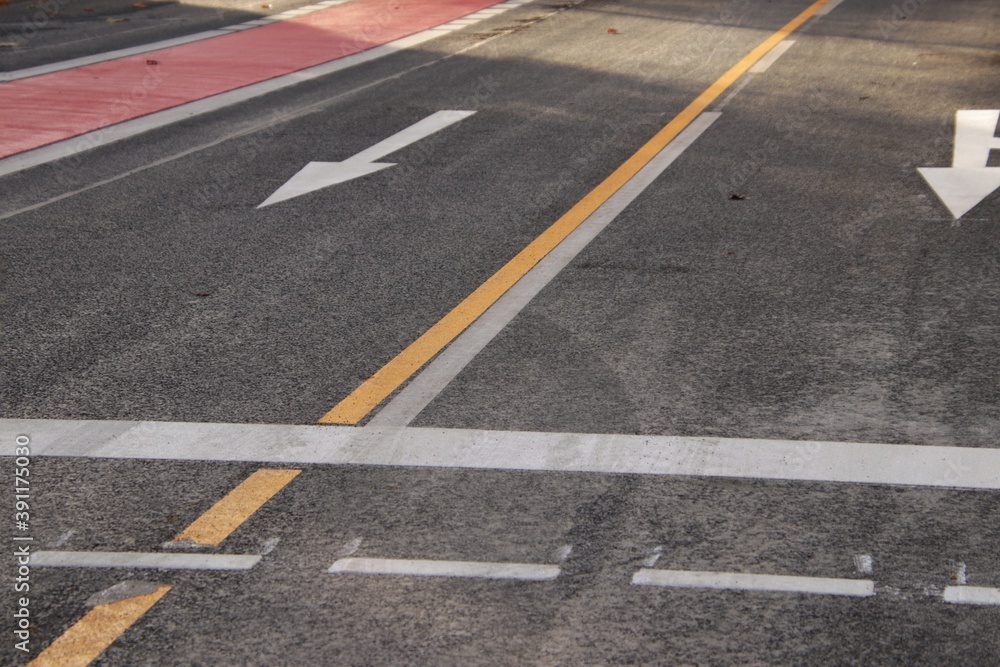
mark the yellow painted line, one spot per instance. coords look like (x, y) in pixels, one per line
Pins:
(375, 389)
(239, 504)
(96, 631)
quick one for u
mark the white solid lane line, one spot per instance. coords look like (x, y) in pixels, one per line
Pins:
(979, 595)
(408, 403)
(445, 568)
(850, 462)
(764, 63)
(155, 561)
(156, 46)
(740, 581)
(829, 7)
(131, 128)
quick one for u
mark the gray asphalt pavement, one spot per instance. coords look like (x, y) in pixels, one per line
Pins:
(790, 276)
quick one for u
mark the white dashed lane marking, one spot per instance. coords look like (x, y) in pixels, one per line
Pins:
(155, 561)
(740, 581)
(978, 595)
(445, 568)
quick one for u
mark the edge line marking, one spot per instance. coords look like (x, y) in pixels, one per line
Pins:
(978, 595)
(387, 379)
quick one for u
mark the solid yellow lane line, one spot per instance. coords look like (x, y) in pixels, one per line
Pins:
(375, 389)
(226, 515)
(96, 631)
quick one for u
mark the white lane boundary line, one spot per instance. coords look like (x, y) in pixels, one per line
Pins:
(420, 391)
(113, 133)
(829, 7)
(164, 43)
(739, 581)
(445, 568)
(772, 56)
(155, 561)
(286, 118)
(815, 461)
(978, 595)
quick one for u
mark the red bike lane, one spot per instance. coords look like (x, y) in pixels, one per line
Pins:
(48, 108)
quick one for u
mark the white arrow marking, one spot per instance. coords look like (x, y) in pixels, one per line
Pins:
(316, 175)
(968, 181)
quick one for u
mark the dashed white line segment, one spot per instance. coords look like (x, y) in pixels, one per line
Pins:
(446, 568)
(764, 63)
(154, 561)
(753, 582)
(978, 595)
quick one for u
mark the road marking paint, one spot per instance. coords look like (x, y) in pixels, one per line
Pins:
(239, 504)
(445, 568)
(61, 105)
(736, 90)
(350, 548)
(140, 125)
(269, 545)
(356, 406)
(772, 57)
(563, 552)
(740, 581)
(64, 538)
(299, 113)
(969, 179)
(317, 175)
(979, 595)
(829, 7)
(864, 563)
(408, 403)
(799, 460)
(654, 555)
(96, 631)
(155, 46)
(152, 561)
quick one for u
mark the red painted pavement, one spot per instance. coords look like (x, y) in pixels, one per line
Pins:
(52, 107)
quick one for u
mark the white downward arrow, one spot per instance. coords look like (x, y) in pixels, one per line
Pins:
(968, 181)
(316, 175)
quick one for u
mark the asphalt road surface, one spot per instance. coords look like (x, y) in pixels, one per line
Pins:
(679, 346)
